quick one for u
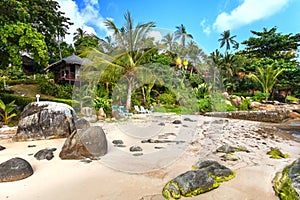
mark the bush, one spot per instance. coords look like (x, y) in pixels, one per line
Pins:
(59, 91)
(48, 88)
(167, 99)
(259, 96)
(205, 105)
(104, 103)
(291, 99)
(20, 101)
(245, 104)
(64, 91)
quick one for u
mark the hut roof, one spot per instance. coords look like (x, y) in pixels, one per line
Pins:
(68, 60)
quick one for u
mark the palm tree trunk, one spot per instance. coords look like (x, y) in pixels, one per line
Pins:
(128, 99)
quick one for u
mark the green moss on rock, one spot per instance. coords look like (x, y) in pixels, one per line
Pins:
(277, 154)
(206, 176)
(283, 185)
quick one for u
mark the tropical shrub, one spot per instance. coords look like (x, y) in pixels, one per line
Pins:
(104, 103)
(245, 104)
(205, 105)
(20, 101)
(167, 98)
(7, 111)
(259, 96)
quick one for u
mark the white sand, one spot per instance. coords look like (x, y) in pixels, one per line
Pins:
(120, 175)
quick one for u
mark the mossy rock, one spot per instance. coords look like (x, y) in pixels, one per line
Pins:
(231, 149)
(287, 183)
(190, 183)
(277, 154)
(207, 175)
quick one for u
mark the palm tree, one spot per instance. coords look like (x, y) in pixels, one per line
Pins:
(130, 51)
(168, 40)
(266, 76)
(79, 34)
(181, 33)
(228, 40)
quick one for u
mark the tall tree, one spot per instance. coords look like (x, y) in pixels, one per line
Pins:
(228, 40)
(130, 51)
(181, 33)
(43, 16)
(270, 44)
(79, 34)
(168, 40)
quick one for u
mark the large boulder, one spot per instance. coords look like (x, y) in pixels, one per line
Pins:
(206, 176)
(85, 143)
(45, 120)
(15, 169)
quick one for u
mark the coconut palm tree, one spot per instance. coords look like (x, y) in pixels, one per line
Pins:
(130, 52)
(181, 33)
(228, 40)
(79, 34)
(168, 40)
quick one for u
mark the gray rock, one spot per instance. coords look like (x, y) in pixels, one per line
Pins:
(85, 143)
(45, 154)
(117, 142)
(177, 121)
(15, 169)
(2, 148)
(135, 148)
(45, 120)
(161, 124)
(189, 120)
(82, 123)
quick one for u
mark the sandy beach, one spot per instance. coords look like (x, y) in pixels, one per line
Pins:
(122, 175)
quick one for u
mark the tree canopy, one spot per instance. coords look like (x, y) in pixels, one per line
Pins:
(34, 17)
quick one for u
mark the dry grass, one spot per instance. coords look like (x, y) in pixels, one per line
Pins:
(28, 90)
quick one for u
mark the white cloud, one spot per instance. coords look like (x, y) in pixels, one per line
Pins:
(249, 11)
(88, 18)
(205, 28)
(156, 35)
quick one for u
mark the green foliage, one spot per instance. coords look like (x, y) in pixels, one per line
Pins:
(59, 91)
(6, 111)
(104, 103)
(245, 104)
(19, 37)
(205, 105)
(291, 99)
(283, 185)
(277, 154)
(167, 98)
(266, 76)
(201, 91)
(73, 103)
(259, 96)
(270, 44)
(40, 18)
(20, 101)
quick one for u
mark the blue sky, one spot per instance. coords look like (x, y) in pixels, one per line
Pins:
(204, 19)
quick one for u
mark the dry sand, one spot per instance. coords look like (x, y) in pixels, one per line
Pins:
(120, 175)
